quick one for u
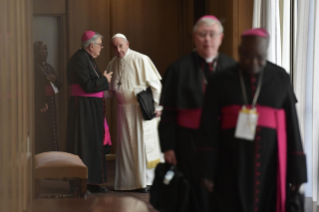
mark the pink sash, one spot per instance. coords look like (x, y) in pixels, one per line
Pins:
(49, 90)
(270, 118)
(76, 90)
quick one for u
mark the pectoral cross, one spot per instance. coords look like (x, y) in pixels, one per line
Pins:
(119, 85)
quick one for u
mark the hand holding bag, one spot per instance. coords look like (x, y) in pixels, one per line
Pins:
(145, 99)
(170, 190)
(295, 201)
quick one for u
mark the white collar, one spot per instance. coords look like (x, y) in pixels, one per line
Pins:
(211, 59)
(126, 54)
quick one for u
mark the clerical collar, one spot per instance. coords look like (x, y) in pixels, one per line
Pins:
(209, 60)
(127, 53)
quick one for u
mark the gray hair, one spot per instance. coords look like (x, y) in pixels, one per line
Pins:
(209, 22)
(87, 43)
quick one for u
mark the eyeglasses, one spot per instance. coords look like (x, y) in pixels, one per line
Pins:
(210, 34)
(99, 44)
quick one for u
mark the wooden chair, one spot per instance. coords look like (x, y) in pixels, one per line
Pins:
(62, 166)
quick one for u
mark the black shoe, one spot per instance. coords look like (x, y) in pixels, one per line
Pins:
(96, 189)
(99, 190)
(143, 190)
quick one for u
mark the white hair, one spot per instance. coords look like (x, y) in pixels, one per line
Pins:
(93, 39)
(208, 22)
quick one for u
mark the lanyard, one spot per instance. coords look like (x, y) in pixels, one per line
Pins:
(244, 90)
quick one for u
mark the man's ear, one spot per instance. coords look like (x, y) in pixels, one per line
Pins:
(128, 44)
(222, 36)
(91, 46)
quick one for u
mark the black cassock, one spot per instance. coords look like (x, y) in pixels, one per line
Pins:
(46, 138)
(85, 123)
(182, 99)
(245, 172)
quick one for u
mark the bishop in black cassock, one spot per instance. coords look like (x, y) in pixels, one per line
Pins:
(183, 90)
(45, 78)
(86, 130)
(251, 175)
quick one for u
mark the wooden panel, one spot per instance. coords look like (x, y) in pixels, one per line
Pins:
(246, 8)
(226, 12)
(52, 7)
(16, 110)
(152, 27)
(236, 16)
(92, 15)
(186, 23)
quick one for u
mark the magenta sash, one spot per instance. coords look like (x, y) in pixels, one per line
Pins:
(189, 118)
(107, 136)
(270, 118)
(49, 90)
(76, 90)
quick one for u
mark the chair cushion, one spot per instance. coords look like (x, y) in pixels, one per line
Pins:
(59, 165)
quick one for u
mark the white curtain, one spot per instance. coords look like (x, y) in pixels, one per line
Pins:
(266, 15)
(305, 70)
(306, 83)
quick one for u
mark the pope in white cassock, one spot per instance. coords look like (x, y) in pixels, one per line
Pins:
(138, 151)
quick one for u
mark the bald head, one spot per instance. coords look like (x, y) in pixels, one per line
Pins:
(120, 45)
(253, 53)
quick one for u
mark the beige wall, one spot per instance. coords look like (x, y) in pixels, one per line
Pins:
(16, 105)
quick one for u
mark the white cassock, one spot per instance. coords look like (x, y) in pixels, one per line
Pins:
(137, 150)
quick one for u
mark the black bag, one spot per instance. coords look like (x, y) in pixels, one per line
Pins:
(295, 201)
(145, 99)
(173, 196)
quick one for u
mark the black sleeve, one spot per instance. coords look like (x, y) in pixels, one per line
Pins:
(167, 129)
(296, 161)
(168, 125)
(208, 143)
(88, 82)
(58, 83)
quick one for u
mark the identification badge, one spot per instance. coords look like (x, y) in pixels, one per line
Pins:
(246, 124)
(56, 90)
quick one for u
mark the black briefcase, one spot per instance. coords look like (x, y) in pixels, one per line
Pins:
(295, 201)
(145, 99)
(169, 195)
